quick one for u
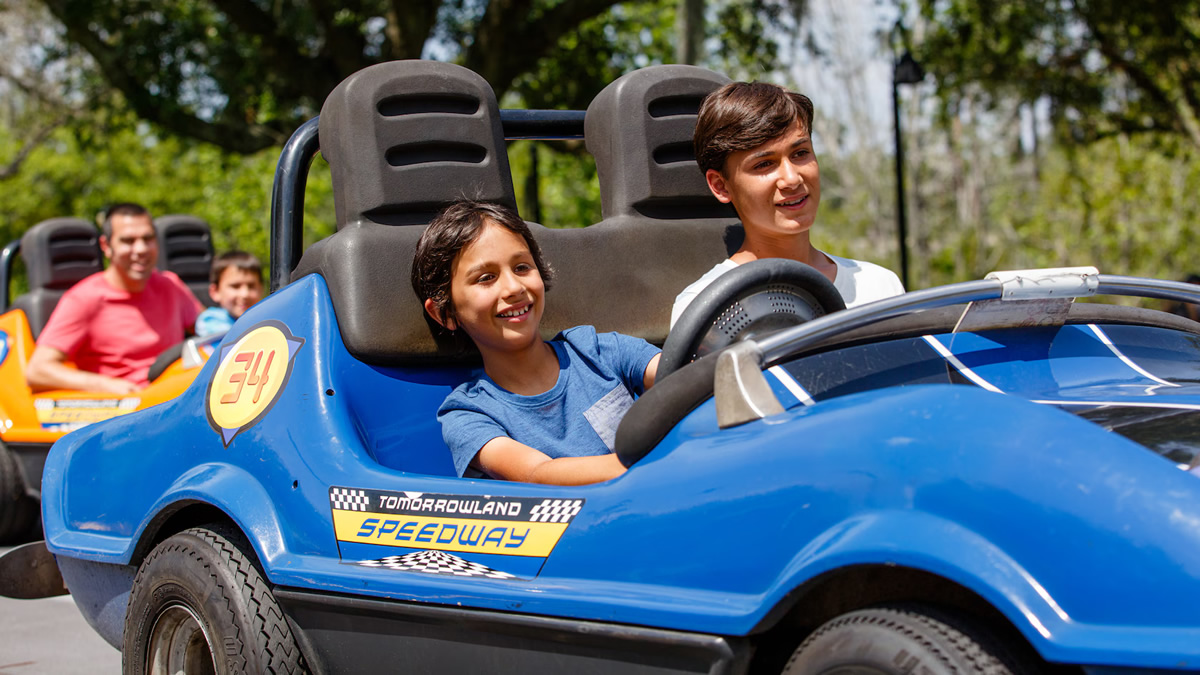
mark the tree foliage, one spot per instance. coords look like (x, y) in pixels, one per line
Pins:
(78, 172)
(1108, 66)
(242, 74)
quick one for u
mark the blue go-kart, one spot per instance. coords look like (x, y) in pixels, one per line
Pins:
(987, 477)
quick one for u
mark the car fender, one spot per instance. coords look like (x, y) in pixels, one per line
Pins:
(925, 542)
(232, 490)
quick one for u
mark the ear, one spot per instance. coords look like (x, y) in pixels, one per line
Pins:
(431, 310)
(105, 248)
(212, 292)
(716, 183)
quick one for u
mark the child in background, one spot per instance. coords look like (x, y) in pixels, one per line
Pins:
(235, 283)
(541, 412)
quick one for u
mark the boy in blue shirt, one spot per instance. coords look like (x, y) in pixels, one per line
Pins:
(235, 283)
(542, 412)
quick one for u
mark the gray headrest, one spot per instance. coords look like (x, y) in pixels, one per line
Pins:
(60, 251)
(185, 247)
(405, 138)
(639, 128)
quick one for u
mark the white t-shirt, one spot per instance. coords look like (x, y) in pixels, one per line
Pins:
(858, 281)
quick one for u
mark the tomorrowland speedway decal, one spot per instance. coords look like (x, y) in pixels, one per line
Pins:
(250, 377)
(457, 535)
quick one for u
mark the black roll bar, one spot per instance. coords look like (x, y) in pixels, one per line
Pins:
(7, 255)
(287, 202)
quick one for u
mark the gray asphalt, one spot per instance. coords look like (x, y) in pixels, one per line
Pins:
(51, 636)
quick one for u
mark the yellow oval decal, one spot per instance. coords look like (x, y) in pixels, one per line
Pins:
(251, 374)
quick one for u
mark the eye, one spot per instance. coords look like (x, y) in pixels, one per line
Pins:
(801, 153)
(522, 268)
(484, 278)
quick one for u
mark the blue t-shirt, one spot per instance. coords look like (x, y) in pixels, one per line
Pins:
(598, 374)
(213, 320)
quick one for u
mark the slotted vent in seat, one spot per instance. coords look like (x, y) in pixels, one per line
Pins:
(425, 153)
(395, 106)
(670, 106)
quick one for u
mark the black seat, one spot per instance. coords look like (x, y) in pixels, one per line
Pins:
(57, 253)
(186, 248)
(405, 138)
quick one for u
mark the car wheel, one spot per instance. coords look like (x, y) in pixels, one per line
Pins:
(890, 641)
(199, 604)
(18, 512)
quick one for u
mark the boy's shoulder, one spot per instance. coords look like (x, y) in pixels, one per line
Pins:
(214, 313)
(864, 267)
(578, 336)
(587, 341)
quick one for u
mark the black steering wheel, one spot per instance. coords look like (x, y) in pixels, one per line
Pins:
(759, 297)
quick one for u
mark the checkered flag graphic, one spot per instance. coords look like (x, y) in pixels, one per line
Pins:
(345, 499)
(436, 562)
(555, 510)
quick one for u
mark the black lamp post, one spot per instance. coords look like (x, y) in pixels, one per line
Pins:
(906, 71)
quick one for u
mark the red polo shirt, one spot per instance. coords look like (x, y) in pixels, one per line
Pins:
(117, 333)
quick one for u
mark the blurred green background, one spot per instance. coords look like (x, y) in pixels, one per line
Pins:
(1043, 133)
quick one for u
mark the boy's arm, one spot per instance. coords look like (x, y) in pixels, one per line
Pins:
(651, 371)
(507, 459)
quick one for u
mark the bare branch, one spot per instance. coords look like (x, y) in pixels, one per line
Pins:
(11, 169)
(505, 46)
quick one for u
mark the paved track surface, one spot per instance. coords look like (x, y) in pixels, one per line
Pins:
(50, 636)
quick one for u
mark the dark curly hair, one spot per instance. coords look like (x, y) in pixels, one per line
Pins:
(742, 116)
(452, 230)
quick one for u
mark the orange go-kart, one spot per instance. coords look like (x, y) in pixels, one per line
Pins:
(57, 253)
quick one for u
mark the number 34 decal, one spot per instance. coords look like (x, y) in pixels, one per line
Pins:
(250, 377)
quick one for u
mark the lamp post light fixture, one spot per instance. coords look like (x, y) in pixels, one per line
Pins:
(906, 70)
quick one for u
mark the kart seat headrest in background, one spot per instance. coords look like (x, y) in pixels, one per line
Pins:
(405, 138)
(185, 247)
(57, 253)
(639, 129)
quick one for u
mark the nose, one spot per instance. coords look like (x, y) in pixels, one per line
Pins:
(511, 284)
(789, 176)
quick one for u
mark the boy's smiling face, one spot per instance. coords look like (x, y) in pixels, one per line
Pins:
(775, 187)
(497, 292)
(236, 290)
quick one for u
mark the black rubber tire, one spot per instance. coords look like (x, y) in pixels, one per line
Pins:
(887, 641)
(18, 511)
(209, 574)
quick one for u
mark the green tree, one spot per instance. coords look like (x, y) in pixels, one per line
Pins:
(79, 171)
(1108, 66)
(242, 74)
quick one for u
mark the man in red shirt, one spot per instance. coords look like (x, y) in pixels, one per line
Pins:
(115, 323)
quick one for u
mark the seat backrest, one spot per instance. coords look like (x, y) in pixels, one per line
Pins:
(405, 138)
(441, 140)
(57, 253)
(639, 129)
(185, 247)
